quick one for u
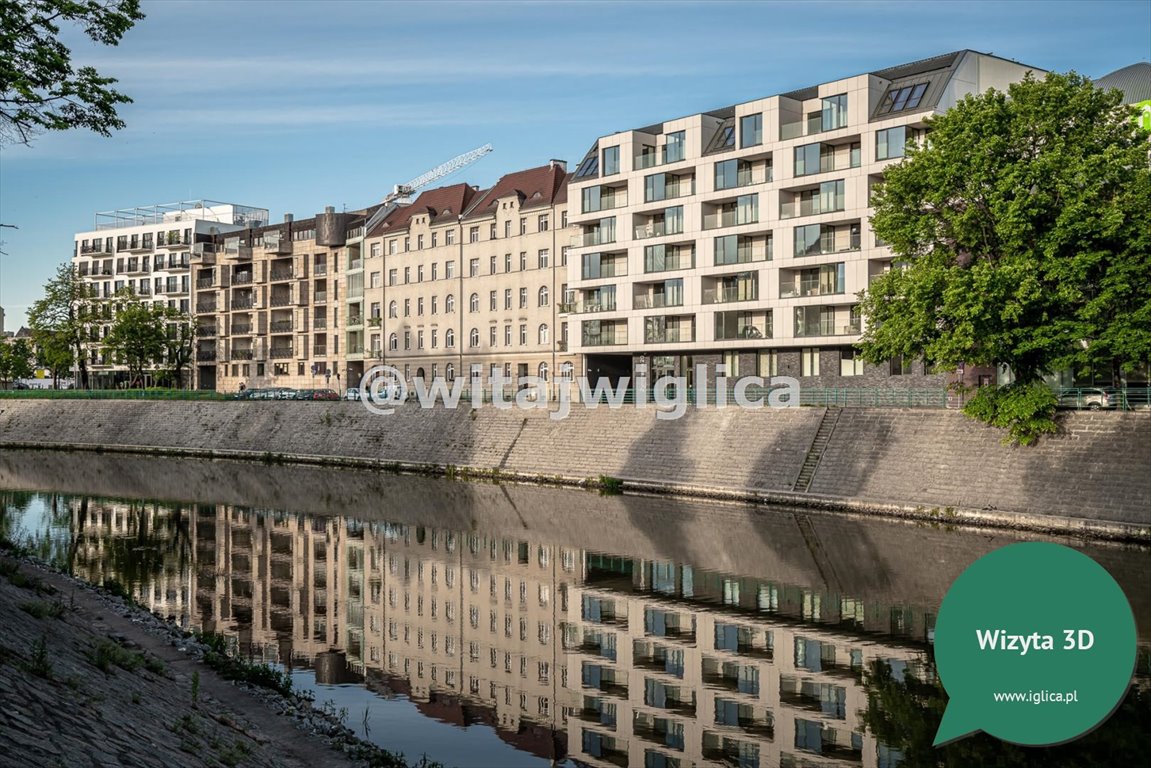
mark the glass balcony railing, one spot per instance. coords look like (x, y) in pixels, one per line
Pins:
(666, 335)
(802, 291)
(826, 328)
(595, 237)
(718, 219)
(721, 294)
(592, 305)
(657, 229)
(809, 207)
(607, 337)
(657, 300)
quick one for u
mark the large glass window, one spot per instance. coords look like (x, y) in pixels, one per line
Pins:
(751, 130)
(673, 149)
(809, 361)
(654, 187)
(732, 173)
(590, 199)
(807, 159)
(831, 196)
(850, 363)
(746, 209)
(904, 97)
(890, 142)
(834, 112)
(610, 161)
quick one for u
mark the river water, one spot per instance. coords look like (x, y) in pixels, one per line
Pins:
(503, 625)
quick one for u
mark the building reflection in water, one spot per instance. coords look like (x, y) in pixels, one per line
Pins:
(606, 659)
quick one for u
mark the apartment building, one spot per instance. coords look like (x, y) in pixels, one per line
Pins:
(281, 305)
(740, 236)
(465, 282)
(149, 251)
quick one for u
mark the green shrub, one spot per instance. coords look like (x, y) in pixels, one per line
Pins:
(1026, 411)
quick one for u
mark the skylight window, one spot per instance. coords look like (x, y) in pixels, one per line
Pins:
(904, 98)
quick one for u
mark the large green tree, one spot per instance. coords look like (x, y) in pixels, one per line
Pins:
(1023, 231)
(63, 317)
(40, 89)
(15, 361)
(137, 336)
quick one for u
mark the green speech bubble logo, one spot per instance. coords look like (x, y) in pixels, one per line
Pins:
(1035, 644)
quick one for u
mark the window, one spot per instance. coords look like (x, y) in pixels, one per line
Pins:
(407, 343)
(474, 268)
(492, 265)
(507, 298)
(813, 158)
(544, 335)
(492, 301)
(392, 277)
(507, 335)
(449, 270)
(419, 242)
(434, 299)
(435, 343)
(834, 112)
(732, 173)
(850, 363)
(523, 298)
(492, 231)
(523, 261)
(809, 361)
(610, 161)
(508, 228)
(507, 262)
(407, 275)
(768, 363)
(449, 237)
(450, 368)
(393, 343)
(407, 307)
(523, 225)
(543, 296)
(419, 339)
(900, 366)
(474, 235)
(751, 130)
(377, 249)
(673, 148)
(435, 270)
(544, 223)
(392, 247)
(523, 334)
(590, 165)
(420, 273)
(449, 340)
(392, 309)
(492, 334)
(901, 98)
(474, 337)
(450, 304)
(543, 258)
(375, 280)
(889, 143)
(435, 238)
(474, 303)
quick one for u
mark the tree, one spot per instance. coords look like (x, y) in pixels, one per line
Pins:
(39, 88)
(15, 361)
(54, 353)
(137, 337)
(62, 318)
(1022, 229)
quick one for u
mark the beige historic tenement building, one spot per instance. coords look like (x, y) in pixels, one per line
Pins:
(466, 282)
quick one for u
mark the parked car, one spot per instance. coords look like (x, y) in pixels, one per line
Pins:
(304, 394)
(1130, 398)
(326, 394)
(1089, 398)
(283, 393)
(20, 385)
(352, 393)
(249, 394)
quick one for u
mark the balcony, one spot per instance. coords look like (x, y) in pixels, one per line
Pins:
(738, 325)
(281, 274)
(667, 335)
(242, 278)
(320, 351)
(281, 326)
(138, 246)
(173, 240)
(591, 305)
(809, 207)
(597, 237)
(605, 202)
(173, 265)
(246, 302)
(205, 307)
(806, 330)
(319, 323)
(280, 353)
(204, 283)
(657, 229)
(242, 354)
(607, 337)
(241, 329)
(320, 297)
(355, 264)
(355, 321)
(280, 300)
(657, 300)
(803, 291)
(96, 250)
(720, 219)
(206, 331)
(728, 294)
(205, 355)
(320, 270)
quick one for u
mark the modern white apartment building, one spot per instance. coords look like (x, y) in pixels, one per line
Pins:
(149, 251)
(740, 236)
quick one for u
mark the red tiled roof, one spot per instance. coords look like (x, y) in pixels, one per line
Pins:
(440, 204)
(535, 187)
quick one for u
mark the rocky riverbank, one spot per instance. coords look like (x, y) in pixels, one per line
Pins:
(88, 678)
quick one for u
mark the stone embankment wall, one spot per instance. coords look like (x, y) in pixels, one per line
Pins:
(1094, 477)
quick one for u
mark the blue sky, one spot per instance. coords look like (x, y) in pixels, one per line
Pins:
(292, 106)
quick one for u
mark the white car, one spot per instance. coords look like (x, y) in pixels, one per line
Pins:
(352, 393)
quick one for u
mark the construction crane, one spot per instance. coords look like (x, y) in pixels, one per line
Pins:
(401, 194)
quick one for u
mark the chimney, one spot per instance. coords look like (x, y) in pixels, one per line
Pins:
(561, 164)
(329, 209)
(287, 218)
